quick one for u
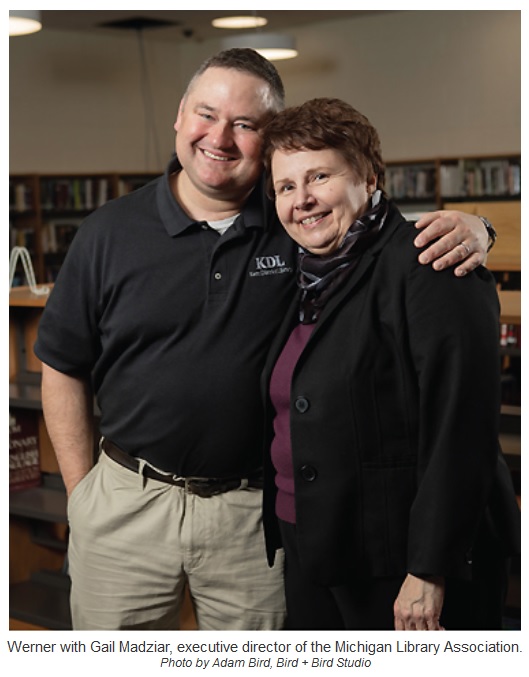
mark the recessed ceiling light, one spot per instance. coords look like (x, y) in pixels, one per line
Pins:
(239, 22)
(24, 21)
(273, 46)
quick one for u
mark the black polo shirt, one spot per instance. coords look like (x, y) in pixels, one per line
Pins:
(173, 322)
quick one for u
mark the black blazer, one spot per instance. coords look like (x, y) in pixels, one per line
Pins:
(394, 421)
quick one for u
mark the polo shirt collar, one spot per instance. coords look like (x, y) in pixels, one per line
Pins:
(176, 221)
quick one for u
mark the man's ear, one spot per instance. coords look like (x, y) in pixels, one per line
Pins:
(179, 116)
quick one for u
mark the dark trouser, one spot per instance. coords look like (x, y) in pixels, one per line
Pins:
(367, 604)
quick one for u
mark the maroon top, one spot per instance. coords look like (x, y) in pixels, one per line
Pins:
(281, 451)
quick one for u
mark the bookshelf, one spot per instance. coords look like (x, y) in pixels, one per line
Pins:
(488, 186)
(38, 584)
(511, 354)
(511, 415)
(46, 210)
(412, 182)
(436, 181)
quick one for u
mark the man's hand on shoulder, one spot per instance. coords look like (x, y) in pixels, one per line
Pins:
(455, 239)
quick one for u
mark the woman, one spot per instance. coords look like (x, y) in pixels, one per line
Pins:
(385, 481)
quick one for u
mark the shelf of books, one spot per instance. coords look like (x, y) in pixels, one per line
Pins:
(37, 500)
(488, 186)
(433, 182)
(45, 212)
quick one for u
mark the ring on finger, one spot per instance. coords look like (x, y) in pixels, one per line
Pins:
(466, 248)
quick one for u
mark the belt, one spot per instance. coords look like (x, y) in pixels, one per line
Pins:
(201, 486)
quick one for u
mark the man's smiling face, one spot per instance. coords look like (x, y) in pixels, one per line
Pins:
(218, 142)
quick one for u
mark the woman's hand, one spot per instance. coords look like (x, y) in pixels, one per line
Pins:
(459, 239)
(419, 603)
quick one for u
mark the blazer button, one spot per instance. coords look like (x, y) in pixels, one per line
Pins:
(308, 473)
(302, 404)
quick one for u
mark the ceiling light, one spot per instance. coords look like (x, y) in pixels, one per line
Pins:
(24, 21)
(273, 46)
(239, 22)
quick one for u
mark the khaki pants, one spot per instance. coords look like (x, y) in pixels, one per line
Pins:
(135, 542)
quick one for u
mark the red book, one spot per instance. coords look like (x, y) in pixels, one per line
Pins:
(24, 466)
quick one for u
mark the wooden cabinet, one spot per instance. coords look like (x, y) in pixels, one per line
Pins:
(511, 418)
(491, 187)
(488, 186)
(38, 582)
(506, 217)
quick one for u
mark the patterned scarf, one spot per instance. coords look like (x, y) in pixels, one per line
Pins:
(320, 276)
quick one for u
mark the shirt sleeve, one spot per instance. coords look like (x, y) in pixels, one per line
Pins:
(68, 338)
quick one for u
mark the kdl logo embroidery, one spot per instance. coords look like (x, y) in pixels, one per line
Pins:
(270, 265)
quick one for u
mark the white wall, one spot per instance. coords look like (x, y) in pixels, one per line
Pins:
(76, 104)
(433, 82)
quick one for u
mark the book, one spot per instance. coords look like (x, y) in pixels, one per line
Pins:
(24, 458)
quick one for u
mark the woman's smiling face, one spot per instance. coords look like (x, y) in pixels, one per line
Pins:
(318, 196)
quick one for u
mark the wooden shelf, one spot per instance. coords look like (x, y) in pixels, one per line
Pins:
(511, 410)
(40, 599)
(511, 444)
(25, 395)
(511, 306)
(43, 601)
(25, 309)
(39, 503)
(24, 297)
(506, 218)
(496, 195)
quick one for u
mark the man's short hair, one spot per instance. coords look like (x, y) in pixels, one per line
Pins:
(248, 61)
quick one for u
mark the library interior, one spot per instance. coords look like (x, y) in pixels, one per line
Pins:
(92, 103)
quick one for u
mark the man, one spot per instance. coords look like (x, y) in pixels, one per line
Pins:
(165, 307)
